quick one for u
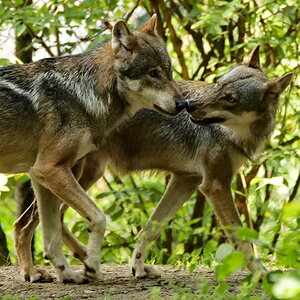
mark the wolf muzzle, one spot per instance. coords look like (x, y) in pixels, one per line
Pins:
(181, 105)
(191, 106)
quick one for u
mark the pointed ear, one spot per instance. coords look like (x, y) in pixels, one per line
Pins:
(150, 26)
(252, 61)
(281, 83)
(120, 35)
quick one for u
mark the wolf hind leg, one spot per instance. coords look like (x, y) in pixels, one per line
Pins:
(92, 169)
(178, 191)
(78, 249)
(24, 228)
(218, 192)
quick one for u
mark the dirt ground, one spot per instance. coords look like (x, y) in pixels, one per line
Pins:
(117, 283)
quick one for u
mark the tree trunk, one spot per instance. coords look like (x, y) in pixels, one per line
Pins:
(4, 253)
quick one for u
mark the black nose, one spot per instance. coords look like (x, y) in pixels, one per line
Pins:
(181, 104)
(190, 106)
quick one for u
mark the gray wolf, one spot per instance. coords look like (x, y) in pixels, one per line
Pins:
(228, 124)
(56, 111)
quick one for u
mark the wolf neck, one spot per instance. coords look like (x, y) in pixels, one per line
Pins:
(108, 102)
(106, 87)
(250, 140)
(91, 79)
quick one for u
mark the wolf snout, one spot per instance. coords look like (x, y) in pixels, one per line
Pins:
(191, 106)
(181, 105)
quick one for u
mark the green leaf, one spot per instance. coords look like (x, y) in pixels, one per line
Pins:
(192, 267)
(4, 62)
(117, 214)
(209, 248)
(291, 211)
(223, 251)
(247, 234)
(221, 289)
(230, 264)
(287, 287)
(277, 181)
(103, 195)
(283, 285)
(20, 29)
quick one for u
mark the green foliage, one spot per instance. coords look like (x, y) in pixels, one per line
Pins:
(230, 261)
(205, 290)
(283, 285)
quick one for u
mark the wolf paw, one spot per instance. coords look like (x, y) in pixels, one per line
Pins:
(91, 271)
(37, 275)
(77, 277)
(145, 271)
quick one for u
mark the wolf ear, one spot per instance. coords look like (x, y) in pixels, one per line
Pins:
(279, 84)
(120, 35)
(150, 26)
(252, 61)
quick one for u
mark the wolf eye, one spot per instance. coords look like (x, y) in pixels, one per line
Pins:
(153, 73)
(230, 99)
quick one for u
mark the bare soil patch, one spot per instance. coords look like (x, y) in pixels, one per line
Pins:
(117, 282)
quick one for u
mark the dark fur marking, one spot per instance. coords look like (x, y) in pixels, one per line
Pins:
(61, 268)
(21, 103)
(72, 281)
(89, 269)
(27, 277)
(76, 255)
(58, 94)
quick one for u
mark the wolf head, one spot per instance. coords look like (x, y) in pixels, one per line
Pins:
(144, 68)
(241, 98)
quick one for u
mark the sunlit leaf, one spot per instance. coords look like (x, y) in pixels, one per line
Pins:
(223, 251)
(230, 264)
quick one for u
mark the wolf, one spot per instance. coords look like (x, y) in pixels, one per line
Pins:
(224, 126)
(56, 111)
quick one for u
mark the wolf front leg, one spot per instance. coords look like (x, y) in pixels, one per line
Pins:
(178, 191)
(217, 190)
(60, 180)
(89, 170)
(23, 232)
(24, 228)
(48, 208)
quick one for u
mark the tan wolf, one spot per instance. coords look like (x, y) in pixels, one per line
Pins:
(231, 121)
(56, 111)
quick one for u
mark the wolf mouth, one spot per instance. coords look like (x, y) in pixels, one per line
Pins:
(206, 121)
(158, 108)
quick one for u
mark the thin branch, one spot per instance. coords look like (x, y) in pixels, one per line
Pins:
(139, 196)
(47, 48)
(290, 142)
(160, 27)
(57, 41)
(295, 189)
(129, 14)
(107, 183)
(177, 43)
